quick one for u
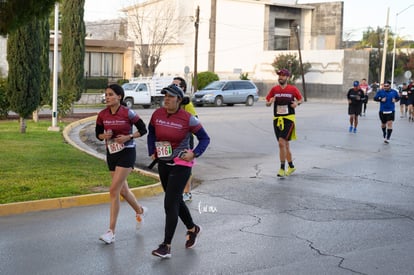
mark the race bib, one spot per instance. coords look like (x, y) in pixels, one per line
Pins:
(404, 93)
(282, 109)
(164, 149)
(114, 147)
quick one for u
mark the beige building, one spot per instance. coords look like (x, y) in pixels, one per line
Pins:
(107, 52)
(104, 58)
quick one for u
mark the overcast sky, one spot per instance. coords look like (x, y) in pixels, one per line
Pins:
(358, 14)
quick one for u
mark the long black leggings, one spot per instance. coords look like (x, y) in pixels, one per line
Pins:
(173, 180)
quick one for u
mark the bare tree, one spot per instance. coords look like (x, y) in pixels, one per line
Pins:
(153, 27)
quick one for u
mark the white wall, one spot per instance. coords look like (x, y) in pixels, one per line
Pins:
(327, 66)
(4, 66)
(240, 37)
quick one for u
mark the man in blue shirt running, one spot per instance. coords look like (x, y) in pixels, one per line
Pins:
(387, 98)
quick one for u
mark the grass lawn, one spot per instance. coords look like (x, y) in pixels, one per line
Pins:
(40, 164)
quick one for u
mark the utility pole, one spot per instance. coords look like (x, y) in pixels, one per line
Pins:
(395, 41)
(296, 29)
(384, 53)
(196, 23)
(212, 36)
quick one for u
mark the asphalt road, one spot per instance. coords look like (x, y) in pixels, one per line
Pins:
(348, 209)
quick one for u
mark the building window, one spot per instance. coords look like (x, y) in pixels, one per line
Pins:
(107, 64)
(86, 64)
(117, 65)
(282, 33)
(96, 64)
(281, 43)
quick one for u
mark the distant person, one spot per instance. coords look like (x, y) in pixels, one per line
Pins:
(355, 98)
(188, 106)
(403, 92)
(410, 101)
(366, 89)
(285, 98)
(170, 129)
(374, 87)
(387, 98)
(114, 124)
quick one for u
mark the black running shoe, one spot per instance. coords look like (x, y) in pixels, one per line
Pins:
(163, 251)
(192, 237)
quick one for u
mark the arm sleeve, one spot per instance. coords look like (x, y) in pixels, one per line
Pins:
(99, 126)
(151, 140)
(203, 142)
(99, 129)
(142, 129)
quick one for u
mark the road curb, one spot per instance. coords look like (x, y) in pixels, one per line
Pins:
(82, 200)
(74, 201)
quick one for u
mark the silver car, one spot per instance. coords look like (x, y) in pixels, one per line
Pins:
(227, 92)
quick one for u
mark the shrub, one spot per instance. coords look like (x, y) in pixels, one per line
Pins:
(96, 82)
(122, 81)
(205, 78)
(289, 61)
(244, 76)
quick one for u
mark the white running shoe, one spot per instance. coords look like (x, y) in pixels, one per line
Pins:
(140, 217)
(108, 237)
(187, 196)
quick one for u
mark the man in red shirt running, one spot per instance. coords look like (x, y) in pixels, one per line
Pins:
(285, 98)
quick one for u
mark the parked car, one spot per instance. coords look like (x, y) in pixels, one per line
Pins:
(227, 92)
(103, 99)
(145, 91)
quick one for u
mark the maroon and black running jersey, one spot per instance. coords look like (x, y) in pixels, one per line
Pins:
(120, 123)
(175, 128)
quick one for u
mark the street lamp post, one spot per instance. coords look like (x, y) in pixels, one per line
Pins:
(296, 28)
(289, 65)
(395, 42)
(196, 25)
(54, 126)
(384, 52)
